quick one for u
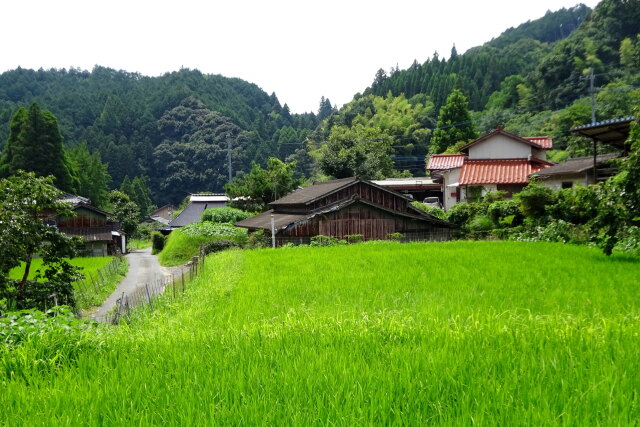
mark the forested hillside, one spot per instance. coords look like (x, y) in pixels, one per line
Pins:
(174, 131)
(140, 125)
(532, 80)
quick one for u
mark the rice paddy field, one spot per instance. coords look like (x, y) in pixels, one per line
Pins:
(459, 333)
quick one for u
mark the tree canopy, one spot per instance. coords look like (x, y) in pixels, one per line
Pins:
(27, 204)
(35, 145)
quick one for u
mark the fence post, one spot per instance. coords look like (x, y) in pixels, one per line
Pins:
(127, 305)
(146, 285)
(182, 277)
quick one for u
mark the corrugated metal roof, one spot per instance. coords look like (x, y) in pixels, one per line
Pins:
(614, 132)
(445, 161)
(544, 142)
(577, 165)
(504, 171)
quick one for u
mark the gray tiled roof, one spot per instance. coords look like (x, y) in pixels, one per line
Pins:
(193, 212)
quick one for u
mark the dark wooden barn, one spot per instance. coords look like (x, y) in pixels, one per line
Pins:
(346, 207)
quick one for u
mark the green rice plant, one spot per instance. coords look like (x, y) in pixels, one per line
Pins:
(458, 333)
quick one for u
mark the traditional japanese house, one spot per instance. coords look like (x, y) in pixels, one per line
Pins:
(346, 207)
(100, 236)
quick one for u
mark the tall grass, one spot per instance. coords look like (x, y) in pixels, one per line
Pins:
(452, 333)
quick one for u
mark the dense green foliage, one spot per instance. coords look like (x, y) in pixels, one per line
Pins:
(35, 145)
(134, 121)
(224, 214)
(92, 175)
(372, 133)
(25, 200)
(265, 336)
(124, 211)
(260, 187)
(454, 124)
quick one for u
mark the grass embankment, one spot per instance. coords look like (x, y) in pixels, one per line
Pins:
(136, 244)
(458, 333)
(184, 243)
(98, 283)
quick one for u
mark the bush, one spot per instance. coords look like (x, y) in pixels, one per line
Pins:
(577, 205)
(322, 240)
(504, 213)
(224, 215)
(430, 210)
(494, 196)
(354, 238)
(157, 242)
(217, 246)
(533, 200)
(460, 214)
(258, 239)
(480, 223)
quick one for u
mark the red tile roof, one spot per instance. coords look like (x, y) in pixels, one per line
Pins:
(504, 171)
(544, 142)
(445, 161)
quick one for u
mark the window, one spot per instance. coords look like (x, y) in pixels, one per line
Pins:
(567, 184)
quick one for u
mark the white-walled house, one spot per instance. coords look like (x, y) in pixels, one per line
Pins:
(498, 160)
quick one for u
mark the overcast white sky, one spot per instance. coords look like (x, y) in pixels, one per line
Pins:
(300, 49)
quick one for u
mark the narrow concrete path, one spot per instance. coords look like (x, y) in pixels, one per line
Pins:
(143, 268)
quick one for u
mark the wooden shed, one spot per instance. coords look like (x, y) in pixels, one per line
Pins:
(344, 207)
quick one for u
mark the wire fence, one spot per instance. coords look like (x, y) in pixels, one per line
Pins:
(90, 287)
(146, 295)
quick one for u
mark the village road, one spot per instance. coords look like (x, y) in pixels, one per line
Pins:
(143, 269)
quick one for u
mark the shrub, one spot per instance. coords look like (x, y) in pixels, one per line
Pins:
(577, 205)
(224, 215)
(430, 210)
(258, 239)
(494, 196)
(354, 238)
(157, 242)
(322, 240)
(533, 200)
(480, 223)
(460, 213)
(396, 236)
(217, 246)
(504, 213)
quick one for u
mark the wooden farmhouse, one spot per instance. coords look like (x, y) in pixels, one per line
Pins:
(100, 236)
(346, 207)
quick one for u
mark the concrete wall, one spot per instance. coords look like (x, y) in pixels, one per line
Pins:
(448, 192)
(555, 183)
(500, 147)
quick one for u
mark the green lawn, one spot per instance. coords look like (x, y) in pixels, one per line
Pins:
(88, 265)
(98, 282)
(454, 333)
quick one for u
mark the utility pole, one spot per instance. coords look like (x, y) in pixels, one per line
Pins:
(592, 92)
(273, 231)
(229, 157)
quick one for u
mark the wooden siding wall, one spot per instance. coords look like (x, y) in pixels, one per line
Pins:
(84, 218)
(372, 223)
